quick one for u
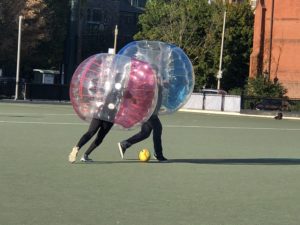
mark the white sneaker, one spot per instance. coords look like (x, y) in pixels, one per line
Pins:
(85, 158)
(121, 149)
(73, 154)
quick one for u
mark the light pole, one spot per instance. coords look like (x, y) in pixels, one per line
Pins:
(116, 39)
(18, 58)
(219, 74)
(271, 39)
(72, 40)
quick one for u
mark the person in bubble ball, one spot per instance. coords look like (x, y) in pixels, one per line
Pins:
(152, 124)
(98, 125)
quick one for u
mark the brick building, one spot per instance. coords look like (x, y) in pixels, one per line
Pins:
(276, 43)
(92, 28)
(98, 20)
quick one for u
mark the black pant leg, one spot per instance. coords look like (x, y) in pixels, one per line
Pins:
(157, 132)
(93, 128)
(142, 135)
(104, 129)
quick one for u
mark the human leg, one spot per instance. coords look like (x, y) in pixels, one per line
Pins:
(104, 129)
(94, 126)
(157, 133)
(140, 136)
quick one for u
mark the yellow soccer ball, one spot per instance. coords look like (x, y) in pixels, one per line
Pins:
(144, 155)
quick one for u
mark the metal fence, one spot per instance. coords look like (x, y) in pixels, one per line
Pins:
(215, 102)
(268, 104)
(47, 92)
(236, 103)
(229, 103)
(32, 91)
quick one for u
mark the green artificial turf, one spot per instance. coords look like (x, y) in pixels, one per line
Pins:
(222, 170)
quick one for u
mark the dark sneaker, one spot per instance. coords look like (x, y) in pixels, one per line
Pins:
(122, 149)
(85, 158)
(160, 158)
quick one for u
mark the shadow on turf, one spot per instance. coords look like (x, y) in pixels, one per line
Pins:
(125, 161)
(20, 116)
(238, 161)
(235, 161)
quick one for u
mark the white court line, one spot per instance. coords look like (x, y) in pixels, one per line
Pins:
(166, 126)
(34, 105)
(37, 114)
(236, 114)
(41, 123)
(238, 128)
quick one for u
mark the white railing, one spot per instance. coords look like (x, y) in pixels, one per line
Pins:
(214, 102)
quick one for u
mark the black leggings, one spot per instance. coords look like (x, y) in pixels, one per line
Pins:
(96, 124)
(152, 124)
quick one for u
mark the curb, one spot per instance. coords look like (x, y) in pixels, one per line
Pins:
(256, 114)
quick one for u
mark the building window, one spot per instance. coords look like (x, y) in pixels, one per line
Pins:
(97, 15)
(138, 3)
(127, 19)
(97, 20)
(88, 15)
(94, 15)
(94, 28)
(253, 4)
